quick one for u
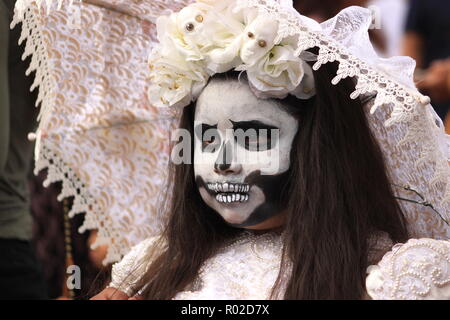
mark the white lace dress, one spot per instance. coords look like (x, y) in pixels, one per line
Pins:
(248, 269)
(417, 270)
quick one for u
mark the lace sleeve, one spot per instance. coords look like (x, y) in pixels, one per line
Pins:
(126, 273)
(416, 270)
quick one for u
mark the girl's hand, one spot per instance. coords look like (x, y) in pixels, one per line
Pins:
(111, 294)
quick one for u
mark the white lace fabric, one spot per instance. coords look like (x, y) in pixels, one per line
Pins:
(416, 270)
(248, 268)
(99, 135)
(144, 10)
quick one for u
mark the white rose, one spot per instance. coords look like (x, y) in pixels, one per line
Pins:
(174, 82)
(276, 74)
(202, 33)
(224, 29)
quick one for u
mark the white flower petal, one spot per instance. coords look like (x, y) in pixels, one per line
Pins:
(278, 73)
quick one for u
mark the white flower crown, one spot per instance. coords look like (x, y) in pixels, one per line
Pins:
(212, 36)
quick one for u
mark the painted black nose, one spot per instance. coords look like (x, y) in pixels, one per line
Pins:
(224, 162)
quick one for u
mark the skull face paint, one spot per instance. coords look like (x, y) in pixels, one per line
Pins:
(237, 177)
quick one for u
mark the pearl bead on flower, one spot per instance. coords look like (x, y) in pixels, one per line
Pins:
(190, 27)
(262, 43)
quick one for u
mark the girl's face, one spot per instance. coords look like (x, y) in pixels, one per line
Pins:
(242, 153)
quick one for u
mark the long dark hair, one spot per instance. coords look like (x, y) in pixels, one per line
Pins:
(340, 195)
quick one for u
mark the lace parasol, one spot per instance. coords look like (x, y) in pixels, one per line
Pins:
(97, 133)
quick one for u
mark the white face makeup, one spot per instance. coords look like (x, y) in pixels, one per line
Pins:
(241, 179)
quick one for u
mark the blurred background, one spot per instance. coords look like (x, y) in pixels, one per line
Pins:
(38, 241)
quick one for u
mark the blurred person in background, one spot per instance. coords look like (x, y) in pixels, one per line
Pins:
(59, 244)
(20, 274)
(391, 19)
(324, 9)
(436, 83)
(427, 40)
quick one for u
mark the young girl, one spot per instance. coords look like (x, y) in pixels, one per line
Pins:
(324, 215)
(283, 185)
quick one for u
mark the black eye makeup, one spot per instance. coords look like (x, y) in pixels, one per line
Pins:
(255, 135)
(209, 136)
(252, 135)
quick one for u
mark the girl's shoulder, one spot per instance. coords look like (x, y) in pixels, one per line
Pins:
(417, 269)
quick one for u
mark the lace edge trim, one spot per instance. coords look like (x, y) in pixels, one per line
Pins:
(47, 159)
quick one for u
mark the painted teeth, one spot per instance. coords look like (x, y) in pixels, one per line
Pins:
(232, 198)
(228, 187)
